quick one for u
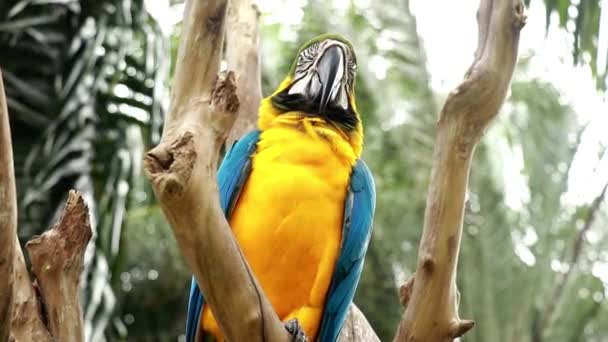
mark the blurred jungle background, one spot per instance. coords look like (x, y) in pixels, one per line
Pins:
(87, 85)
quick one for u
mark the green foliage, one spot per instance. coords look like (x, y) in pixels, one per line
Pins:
(85, 81)
(500, 283)
(154, 283)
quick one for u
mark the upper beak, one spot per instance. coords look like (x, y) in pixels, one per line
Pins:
(330, 69)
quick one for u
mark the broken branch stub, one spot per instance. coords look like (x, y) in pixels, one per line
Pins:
(170, 165)
(57, 261)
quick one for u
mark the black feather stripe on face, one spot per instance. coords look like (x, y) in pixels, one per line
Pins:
(286, 102)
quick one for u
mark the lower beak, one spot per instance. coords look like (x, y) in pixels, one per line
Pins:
(330, 69)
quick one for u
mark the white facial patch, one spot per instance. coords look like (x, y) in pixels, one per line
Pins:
(343, 99)
(310, 80)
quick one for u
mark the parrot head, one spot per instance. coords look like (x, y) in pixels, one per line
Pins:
(321, 82)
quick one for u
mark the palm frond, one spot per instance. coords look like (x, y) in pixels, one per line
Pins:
(85, 90)
(585, 18)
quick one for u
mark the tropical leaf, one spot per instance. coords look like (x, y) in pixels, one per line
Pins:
(582, 18)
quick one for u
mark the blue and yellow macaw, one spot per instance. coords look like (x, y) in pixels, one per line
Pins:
(298, 198)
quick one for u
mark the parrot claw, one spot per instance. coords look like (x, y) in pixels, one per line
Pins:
(295, 329)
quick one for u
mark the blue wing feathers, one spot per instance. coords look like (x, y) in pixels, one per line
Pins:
(230, 177)
(358, 216)
(196, 299)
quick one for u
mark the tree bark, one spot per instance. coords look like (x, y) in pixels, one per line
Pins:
(57, 261)
(242, 56)
(432, 309)
(26, 324)
(8, 218)
(356, 328)
(182, 169)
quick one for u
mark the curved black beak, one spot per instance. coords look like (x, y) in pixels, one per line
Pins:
(330, 69)
(321, 88)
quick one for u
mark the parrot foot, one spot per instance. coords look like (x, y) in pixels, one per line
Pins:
(295, 329)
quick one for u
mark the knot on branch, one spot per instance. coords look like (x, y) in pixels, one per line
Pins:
(405, 291)
(224, 94)
(459, 328)
(224, 104)
(170, 167)
(520, 16)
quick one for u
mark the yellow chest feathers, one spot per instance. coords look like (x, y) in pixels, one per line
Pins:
(288, 217)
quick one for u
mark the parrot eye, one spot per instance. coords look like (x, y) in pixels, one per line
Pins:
(306, 57)
(352, 71)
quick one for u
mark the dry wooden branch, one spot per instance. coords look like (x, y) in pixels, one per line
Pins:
(57, 261)
(182, 169)
(550, 312)
(242, 56)
(19, 311)
(27, 324)
(356, 328)
(432, 310)
(56, 257)
(8, 218)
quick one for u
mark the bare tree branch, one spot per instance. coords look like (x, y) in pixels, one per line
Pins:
(27, 324)
(242, 56)
(182, 169)
(356, 328)
(549, 313)
(432, 310)
(8, 218)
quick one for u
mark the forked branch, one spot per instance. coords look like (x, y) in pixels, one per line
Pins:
(182, 169)
(57, 260)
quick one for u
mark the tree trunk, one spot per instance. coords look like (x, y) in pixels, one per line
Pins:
(8, 218)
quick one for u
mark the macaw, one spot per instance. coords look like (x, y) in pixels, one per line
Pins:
(298, 198)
